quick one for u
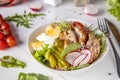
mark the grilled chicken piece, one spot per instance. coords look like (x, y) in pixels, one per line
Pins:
(68, 35)
(63, 35)
(66, 43)
(90, 41)
(95, 48)
(72, 36)
(82, 35)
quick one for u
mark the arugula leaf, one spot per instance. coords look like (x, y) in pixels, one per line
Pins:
(23, 20)
(8, 61)
(32, 76)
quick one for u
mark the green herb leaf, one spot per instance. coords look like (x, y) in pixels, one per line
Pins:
(8, 61)
(32, 76)
(23, 20)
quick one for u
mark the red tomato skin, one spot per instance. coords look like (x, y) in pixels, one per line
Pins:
(7, 32)
(4, 26)
(78, 24)
(1, 35)
(3, 45)
(11, 41)
(2, 21)
(1, 16)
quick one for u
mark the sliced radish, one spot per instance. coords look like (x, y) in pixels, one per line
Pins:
(90, 9)
(89, 58)
(71, 57)
(79, 59)
(35, 7)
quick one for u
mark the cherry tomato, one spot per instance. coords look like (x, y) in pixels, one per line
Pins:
(3, 45)
(1, 21)
(1, 16)
(78, 24)
(7, 32)
(1, 35)
(11, 41)
(4, 26)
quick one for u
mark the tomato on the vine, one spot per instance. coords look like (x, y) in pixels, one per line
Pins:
(2, 21)
(6, 37)
(4, 26)
(7, 32)
(1, 16)
(1, 35)
(3, 45)
(11, 41)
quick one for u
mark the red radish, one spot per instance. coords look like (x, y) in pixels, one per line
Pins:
(90, 9)
(35, 7)
(71, 57)
(88, 58)
(12, 2)
(79, 59)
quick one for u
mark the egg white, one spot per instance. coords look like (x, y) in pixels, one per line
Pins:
(47, 39)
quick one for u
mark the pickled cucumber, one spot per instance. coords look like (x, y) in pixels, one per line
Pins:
(47, 55)
(59, 43)
(53, 61)
(61, 60)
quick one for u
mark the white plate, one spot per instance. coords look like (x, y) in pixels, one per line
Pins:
(36, 32)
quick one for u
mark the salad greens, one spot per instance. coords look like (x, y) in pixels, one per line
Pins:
(23, 20)
(103, 42)
(40, 55)
(54, 56)
(50, 56)
(8, 61)
(32, 76)
(115, 8)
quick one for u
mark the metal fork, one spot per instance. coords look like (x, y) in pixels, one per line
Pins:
(103, 26)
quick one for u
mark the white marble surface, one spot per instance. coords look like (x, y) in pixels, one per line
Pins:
(65, 11)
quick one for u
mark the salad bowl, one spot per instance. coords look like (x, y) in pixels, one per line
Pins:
(33, 37)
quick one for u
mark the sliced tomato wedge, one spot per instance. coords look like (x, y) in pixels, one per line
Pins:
(78, 24)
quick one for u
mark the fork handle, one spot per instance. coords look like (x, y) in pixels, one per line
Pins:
(117, 58)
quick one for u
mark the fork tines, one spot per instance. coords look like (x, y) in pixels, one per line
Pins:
(102, 24)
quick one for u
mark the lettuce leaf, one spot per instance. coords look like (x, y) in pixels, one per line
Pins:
(115, 8)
